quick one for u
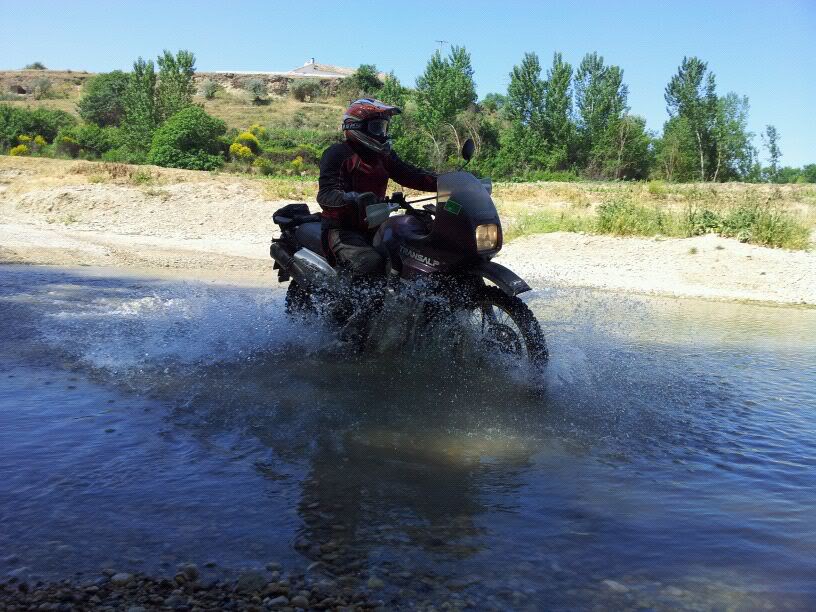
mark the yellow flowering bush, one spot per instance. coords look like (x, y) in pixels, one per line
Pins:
(258, 130)
(241, 152)
(248, 139)
(297, 164)
(20, 149)
(40, 141)
(23, 138)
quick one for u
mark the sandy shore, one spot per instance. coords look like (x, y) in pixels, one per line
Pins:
(64, 213)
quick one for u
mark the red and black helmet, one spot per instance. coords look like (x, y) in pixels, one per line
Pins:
(366, 121)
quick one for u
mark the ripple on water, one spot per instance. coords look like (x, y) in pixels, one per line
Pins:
(673, 447)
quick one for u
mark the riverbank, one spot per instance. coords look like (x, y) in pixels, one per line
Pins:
(61, 212)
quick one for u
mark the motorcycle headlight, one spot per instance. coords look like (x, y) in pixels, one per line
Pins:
(487, 237)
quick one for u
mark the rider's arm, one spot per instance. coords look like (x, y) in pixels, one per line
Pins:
(331, 192)
(409, 176)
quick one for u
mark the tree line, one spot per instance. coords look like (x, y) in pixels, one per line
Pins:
(568, 121)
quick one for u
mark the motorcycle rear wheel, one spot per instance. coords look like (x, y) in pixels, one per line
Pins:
(506, 324)
(299, 300)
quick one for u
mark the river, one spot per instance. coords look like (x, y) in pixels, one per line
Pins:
(666, 458)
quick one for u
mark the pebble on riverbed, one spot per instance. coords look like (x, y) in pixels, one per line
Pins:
(137, 592)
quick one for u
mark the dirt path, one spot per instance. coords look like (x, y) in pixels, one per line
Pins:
(64, 213)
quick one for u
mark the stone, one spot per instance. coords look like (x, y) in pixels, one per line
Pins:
(190, 571)
(273, 566)
(250, 581)
(279, 601)
(136, 609)
(121, 579)
(176, 601)
(300, 602)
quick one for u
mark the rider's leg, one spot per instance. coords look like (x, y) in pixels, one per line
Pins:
(355, 253)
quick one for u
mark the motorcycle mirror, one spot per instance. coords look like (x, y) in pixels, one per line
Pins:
(468, 149)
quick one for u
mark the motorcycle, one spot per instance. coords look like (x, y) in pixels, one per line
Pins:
(439, 255)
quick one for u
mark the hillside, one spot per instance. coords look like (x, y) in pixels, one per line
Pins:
(232, 104)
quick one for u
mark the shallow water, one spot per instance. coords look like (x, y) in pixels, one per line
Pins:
(667, 459)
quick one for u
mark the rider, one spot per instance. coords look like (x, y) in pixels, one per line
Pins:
(354, 174)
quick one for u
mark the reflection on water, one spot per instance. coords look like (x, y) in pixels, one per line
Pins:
(670, 461)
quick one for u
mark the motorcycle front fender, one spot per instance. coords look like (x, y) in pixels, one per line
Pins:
(506, 280)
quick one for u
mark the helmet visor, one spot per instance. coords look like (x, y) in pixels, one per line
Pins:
(378, 127)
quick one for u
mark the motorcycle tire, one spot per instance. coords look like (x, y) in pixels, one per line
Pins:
(298, 300)
(488, 300)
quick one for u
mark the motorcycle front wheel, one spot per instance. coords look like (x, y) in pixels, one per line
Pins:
(504, 324)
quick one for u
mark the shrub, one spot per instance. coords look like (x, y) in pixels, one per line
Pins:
(305, 89)
(258, 130)
(20, 149)
(42, 89)
(40, 141)
(622, 217)
(248, 139)
(257, 88)
(320, 139)
(209, 88)
(24, 139)
(189, 139)
(43, 121)
(66, 145)
(263, 166)
(297, 164)
(364, 82)
(122, 155)
(103, 99)
(241, 153)
(35, 66)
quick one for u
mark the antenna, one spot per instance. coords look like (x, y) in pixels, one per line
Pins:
(442, 43)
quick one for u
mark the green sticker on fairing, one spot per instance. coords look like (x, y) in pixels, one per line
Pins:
(453, 207)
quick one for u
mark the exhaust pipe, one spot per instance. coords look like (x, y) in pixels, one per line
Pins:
(306, 267)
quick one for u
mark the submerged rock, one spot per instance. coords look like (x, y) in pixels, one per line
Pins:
(250, 581)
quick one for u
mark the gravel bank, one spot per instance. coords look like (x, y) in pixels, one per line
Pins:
(51, 212)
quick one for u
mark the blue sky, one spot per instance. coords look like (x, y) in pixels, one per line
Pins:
(765, 50)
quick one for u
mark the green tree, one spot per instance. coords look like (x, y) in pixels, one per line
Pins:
(141, 115)
(557, 119)
(770, 140)
(189, 139)
(526, 139)
(395, 94)
(809, 173)
(493, 102)
(175, 87)
(444, 90)
(35, 66)
(364, 82)
(103, 99)
(601, 103)
(677, 151)
(691, 94)
(626, 148)
(732, 140)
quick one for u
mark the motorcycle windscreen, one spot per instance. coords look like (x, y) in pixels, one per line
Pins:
(465, 190)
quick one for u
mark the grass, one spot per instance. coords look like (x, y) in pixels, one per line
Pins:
(749, 213)
(238, 111)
